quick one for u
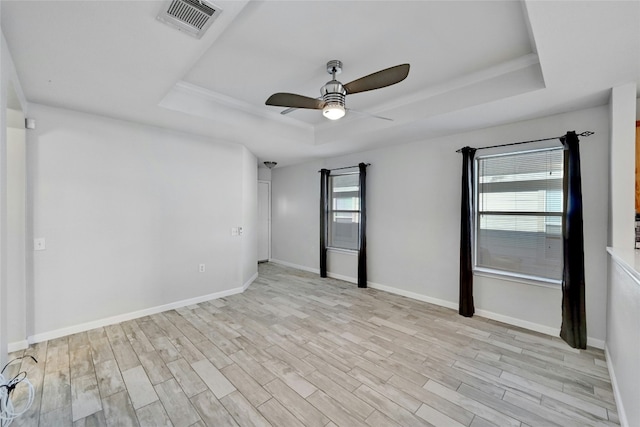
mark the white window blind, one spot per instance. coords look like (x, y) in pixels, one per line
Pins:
(519, 213)
(344, 211)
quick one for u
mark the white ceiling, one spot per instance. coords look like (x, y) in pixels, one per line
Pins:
(473, 64)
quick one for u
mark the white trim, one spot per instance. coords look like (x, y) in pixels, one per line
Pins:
(622, 415)
(261, 181)
(351, 252)
(548, 330)
(477, 77)
(413, 295)
(57, 333)
(296, 266)
(343, 278)
(596, 342)
(512, 277)
(249, 282)
(17, 346)
(230, 102)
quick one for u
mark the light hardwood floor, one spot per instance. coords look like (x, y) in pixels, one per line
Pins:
(297, 350)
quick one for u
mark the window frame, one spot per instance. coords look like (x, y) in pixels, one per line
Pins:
(497, 273)
(330, 211)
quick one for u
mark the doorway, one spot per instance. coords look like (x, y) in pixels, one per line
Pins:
(264, 221)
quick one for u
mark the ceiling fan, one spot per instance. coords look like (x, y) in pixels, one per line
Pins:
(332, 100)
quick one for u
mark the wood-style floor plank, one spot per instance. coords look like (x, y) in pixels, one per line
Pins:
(298, 350)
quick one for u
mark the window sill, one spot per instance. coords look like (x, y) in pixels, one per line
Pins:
(343, 251)
(510, 277)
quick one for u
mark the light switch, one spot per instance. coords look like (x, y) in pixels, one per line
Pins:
(39, 244)
(234, 231)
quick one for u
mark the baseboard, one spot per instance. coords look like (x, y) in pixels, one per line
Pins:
(440, 302)
(548, 330)
(593, 342)
(296, 266)
(622, 415)
(413, 295)
(343, 278)
(17, 346)
(57, 333)
(249, 282)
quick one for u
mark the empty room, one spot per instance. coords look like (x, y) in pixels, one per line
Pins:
(319, 213)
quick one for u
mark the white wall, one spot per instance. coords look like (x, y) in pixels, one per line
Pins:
(414, 221)
(623, 339)
(622, 109)
(623, 307)
(295, 213)
(264, 174)
(128, 213)
(16, 235)
(249, 224)
(10, 93)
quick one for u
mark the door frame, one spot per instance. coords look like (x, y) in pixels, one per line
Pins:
(269, 220)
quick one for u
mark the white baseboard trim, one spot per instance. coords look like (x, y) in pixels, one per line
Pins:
(622, 415)
(296, 266)
(57, 333)
(249, 282)
(413, 295)
(343, 278)
(548, 330)
(17, 346)
(595, 342)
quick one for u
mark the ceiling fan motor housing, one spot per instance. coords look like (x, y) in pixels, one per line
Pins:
(333, 93)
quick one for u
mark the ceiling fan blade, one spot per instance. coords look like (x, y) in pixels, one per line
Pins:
(380, 79)
(294, 101)
(292, 109)
(351, 110)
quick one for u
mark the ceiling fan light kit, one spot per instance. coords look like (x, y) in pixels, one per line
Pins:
(333, 93)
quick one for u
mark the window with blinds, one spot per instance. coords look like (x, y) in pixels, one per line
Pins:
(344, 211)
(519, 214)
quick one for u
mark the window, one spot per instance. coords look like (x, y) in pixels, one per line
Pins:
(519, 214)
(344, 211)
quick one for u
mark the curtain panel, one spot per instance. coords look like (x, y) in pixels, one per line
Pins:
(466, 307)
(324, 208)
(574, 318)
(362, 229)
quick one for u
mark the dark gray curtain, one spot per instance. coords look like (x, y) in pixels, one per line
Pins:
(324, 208)
(362, 229)
(574, 318)
(466, 307)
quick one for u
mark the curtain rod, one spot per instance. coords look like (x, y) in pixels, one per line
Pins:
(585, 133)
(347, 167)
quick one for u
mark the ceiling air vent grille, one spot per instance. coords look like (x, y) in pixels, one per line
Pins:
(190, 16)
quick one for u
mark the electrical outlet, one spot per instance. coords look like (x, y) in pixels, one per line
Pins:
(201, 268)
(239, 231)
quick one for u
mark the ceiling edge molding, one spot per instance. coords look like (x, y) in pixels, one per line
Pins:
(486, 74)
(532, 39)
(225, 101)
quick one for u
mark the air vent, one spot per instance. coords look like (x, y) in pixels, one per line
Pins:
(190, 16)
